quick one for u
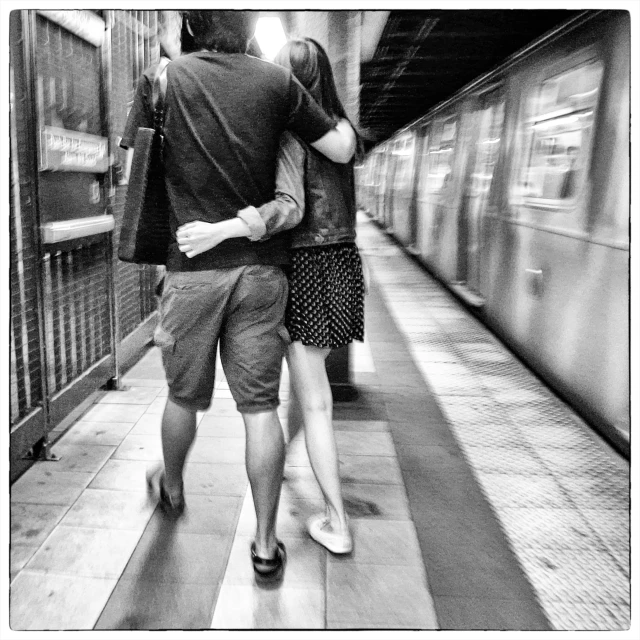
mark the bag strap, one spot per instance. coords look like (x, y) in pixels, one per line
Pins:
(159, 92)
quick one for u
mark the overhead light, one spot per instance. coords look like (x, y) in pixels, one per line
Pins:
(270, 36)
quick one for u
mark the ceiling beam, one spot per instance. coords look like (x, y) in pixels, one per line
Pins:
(373, 23)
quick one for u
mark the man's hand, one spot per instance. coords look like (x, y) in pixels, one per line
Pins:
(197, 237)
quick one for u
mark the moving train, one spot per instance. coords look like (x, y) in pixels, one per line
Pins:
(514, 192)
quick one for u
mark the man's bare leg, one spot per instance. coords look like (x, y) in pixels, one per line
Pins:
(178, 434)
(265, 466)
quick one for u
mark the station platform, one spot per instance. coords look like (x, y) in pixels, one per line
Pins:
(478, 499)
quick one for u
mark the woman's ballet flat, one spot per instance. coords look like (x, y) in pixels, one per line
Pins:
(320, 530)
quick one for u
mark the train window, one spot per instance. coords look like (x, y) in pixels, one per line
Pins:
(558, 132)
(440, 155)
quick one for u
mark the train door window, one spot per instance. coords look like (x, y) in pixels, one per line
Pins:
(378, 161)
(423, 161)
(404, 153)
(440, 156)
(383, 168)
(394, 164)
(488, 145)
(370, 170)
(557, 135)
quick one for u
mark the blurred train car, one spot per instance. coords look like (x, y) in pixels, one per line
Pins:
(515, 193)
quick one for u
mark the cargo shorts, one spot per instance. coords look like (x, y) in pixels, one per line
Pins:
(242, 309)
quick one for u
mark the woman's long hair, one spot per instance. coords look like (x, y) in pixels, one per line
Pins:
(309, 63)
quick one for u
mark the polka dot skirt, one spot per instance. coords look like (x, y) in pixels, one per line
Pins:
(326, 296)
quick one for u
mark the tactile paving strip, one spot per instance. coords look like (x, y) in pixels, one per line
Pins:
(477, 423)
(592, 616)
(519, 397)
(531, 414)
(463, 329)
(488, 435)
(576, 575)
(423, 328)
(596, 492)
(551, 528)
(499, 377)
(424, 354)
(558, 436)
(510, 460)
(578, 459)
(509, 490)
(445, 313)
(453, 385)
(475, 412)
(430, 339)
(484, 357)
(612, 526)
(446, 369)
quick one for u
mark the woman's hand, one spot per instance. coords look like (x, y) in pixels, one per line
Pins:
(197, 237)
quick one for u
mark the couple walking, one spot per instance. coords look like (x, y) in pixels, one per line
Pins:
(259, 169)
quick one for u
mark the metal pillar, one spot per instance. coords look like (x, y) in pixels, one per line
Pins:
(41, 449)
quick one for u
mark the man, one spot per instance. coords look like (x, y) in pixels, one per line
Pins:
(225, 113)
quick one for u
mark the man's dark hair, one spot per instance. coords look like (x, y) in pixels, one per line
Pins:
(228, 31)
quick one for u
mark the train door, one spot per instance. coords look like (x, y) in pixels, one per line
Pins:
(435, 192)
(487, 122)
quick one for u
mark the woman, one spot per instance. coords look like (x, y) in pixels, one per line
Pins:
(326, 288)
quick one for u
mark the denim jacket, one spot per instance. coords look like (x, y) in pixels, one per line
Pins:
(313, 194)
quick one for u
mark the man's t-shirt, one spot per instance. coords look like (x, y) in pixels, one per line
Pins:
(224, 117)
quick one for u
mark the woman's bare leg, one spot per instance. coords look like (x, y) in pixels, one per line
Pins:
(311, 386)
(294, 415)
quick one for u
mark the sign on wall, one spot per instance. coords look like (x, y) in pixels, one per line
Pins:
(64, 150)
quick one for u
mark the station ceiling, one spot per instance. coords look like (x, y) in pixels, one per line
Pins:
(424, 57)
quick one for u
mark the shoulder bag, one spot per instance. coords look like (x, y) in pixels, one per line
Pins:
(145, 234)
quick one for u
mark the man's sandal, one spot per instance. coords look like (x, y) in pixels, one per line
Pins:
(269, 570)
